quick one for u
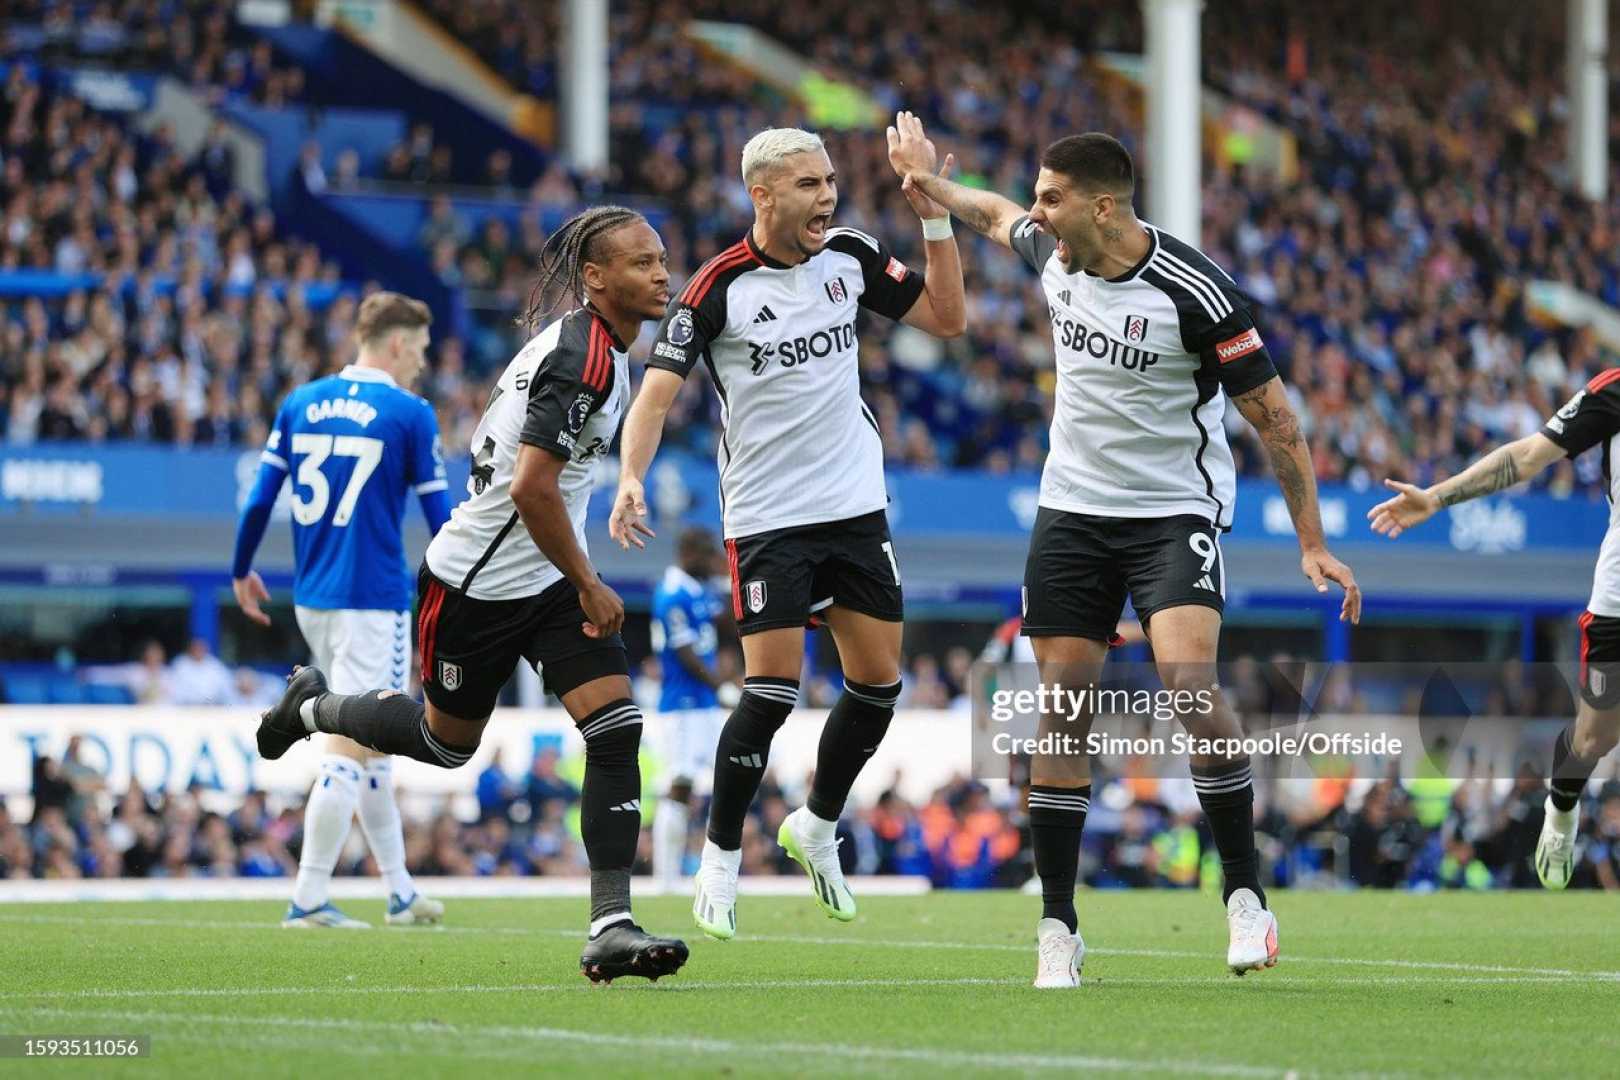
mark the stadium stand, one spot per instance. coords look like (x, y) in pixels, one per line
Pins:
(1145, 833)
(1385, 383)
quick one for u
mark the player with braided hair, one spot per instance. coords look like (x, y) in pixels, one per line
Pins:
(563, 257)
(490, 593)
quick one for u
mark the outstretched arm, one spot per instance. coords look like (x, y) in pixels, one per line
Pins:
(982, 211)
(1499, 469)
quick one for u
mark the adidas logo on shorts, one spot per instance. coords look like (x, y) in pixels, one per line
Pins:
(752, 761)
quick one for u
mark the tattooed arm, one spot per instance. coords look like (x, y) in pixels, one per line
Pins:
(982, 211)
(1267, 408)
(1499, 469)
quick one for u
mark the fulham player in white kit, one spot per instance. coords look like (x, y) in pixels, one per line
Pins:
(510, 579)
(801, 480)
(1152, 339)
(1590, 418)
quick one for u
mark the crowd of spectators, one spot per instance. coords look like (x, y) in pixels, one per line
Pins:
(1141, 832)
(185, 314)
(1389, 274)
(198, 41)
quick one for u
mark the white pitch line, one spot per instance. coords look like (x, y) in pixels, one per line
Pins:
(859, 942)
(470, 1044)
(677, 985)
(680, 985)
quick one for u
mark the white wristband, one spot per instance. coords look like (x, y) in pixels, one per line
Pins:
(937, 228)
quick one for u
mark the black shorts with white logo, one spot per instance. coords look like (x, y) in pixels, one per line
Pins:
(1081, 568)
(1600, 661)
(470, 647)
(789, 576)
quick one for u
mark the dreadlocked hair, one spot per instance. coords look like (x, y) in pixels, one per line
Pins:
(563, 259)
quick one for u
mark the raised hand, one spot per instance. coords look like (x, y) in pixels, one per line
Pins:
(912, 151)
(910, 148)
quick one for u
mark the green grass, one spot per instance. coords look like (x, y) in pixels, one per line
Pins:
(1368, 984)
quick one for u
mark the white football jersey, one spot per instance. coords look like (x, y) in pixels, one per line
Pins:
(1142, 360)
(799, 446)
(1592, 418)
(565, 392)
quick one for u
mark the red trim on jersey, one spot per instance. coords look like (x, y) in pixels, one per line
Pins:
(735, 255)
(1602, 379)
(736, 580)
(428, 626)
(708, 269)
(1586, 645)
(699, 287)
(597, 362)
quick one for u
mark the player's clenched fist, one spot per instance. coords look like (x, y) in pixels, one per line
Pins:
(604, 611)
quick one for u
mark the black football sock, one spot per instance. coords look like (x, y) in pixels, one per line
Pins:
(390, 723)
(610, 807)
(743, 750)
(1569, 772)
(1226, 792)
(854, 729)
(1057, 817)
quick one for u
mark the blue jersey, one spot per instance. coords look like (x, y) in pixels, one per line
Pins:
(684, 610)
(354, 444)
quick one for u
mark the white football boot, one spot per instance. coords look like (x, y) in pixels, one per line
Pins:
(714, 904)
(417, 911)
(1555, 850)
(1253, 933)
(1058, 956)
(807, 842)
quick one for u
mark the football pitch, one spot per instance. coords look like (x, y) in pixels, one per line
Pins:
(1368, 984)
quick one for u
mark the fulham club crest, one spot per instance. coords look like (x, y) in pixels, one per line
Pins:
(449, 675)
(835, 291)
(1135, 329)
(756, 596)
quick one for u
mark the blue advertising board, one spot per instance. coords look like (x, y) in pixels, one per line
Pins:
(137, 481)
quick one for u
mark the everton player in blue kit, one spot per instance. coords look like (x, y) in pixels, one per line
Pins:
(354, 445)
(692, 693)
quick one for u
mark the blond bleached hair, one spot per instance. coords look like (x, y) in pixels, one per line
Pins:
(766, 150)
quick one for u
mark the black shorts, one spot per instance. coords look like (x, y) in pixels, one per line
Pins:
(1081, 568)
(470, 647)
(787, 577)
(1600, 661)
